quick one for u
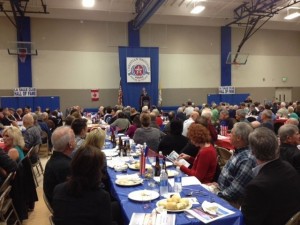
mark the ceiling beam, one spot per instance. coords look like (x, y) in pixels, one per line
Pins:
(254, 14)
(145, 9)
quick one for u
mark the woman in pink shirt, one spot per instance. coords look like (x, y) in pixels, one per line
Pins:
(205, 163)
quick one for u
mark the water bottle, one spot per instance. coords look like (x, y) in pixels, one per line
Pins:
(163, 184)
(177, 181)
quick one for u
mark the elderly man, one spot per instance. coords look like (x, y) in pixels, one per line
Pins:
(58, 167)
(289, 139)
(187, 123)
(267, 119)
(225, 120)
(32, 134)
(237, 172)
(240, 115)
(272, 197)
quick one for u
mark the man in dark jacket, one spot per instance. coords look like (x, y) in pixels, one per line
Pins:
(58, 167)
(289, 139)
(273, 195)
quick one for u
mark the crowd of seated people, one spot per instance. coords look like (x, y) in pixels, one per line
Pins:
(191, 131)
(21, 130)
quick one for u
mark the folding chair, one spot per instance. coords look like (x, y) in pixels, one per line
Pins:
(223, 156)
(47, 203)
(7, 209)
(36, 163)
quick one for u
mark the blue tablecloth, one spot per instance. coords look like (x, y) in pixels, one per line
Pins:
(128, 206)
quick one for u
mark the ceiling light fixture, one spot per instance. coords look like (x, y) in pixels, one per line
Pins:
(292, 13)
(197, 9)
(88, 3)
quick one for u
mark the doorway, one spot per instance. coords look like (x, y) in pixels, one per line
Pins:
(283, 94)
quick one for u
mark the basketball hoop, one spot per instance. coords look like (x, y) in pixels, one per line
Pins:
(235, 65)
(22, 53)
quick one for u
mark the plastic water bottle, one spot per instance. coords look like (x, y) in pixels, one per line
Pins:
(163, 184)
(177, 181)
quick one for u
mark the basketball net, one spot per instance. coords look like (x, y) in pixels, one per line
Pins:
(22, 55)
(236, 65)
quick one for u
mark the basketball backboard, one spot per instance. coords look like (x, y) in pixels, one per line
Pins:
(21, 48)
(237, 58)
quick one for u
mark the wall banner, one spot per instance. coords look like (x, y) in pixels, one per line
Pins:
(25, 92)
(138, 70)
(95, 94)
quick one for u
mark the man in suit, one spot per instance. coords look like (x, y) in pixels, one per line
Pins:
(273, 195)
(58, 167)
(289, 139)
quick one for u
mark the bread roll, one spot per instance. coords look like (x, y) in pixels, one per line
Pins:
(171, 206)
(184, 201)
(176, 198)
(180, 206)
(163, 204)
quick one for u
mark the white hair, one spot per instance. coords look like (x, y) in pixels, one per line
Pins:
(206, 112)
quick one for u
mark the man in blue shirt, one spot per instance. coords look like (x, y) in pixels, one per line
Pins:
(237, 172)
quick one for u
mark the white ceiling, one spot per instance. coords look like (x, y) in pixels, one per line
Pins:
(217, 12)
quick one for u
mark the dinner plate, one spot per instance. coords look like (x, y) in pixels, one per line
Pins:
(173, 210)
(135, 167)
(110, 152)
(168, 164)
(143, 195)
(128, 182)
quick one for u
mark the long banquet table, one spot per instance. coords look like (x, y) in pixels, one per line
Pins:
(129, 207)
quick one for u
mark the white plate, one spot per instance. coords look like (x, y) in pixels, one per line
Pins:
(128, 181)
(168, 164)
(173, 210)
(143, 195)
(110, 152)
(134, 167)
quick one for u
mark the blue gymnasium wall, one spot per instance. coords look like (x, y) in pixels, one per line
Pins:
(52, 102)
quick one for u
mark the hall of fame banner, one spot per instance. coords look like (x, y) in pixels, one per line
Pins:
(226, 90)
(138, 70)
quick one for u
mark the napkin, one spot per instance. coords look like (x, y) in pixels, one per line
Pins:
(210, 207)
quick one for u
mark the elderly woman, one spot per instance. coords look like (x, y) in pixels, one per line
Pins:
(81, 200)
(146, 134)
(122, 123)
(14, 142)
(205, 163)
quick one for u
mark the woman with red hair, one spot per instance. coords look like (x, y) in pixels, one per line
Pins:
(205, 163)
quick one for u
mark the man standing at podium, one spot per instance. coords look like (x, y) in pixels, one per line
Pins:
(144, 99)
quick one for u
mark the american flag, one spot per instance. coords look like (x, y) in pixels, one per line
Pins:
(120, 95)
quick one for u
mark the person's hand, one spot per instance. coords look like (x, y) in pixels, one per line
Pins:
(177, 163)
(184, 156)
(213, 184)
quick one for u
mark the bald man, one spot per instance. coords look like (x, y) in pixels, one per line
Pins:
(187, 123)
(58, 166)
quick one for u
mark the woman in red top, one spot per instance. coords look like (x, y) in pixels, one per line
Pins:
(205, 163)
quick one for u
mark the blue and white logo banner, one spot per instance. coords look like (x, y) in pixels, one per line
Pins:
(138, 70)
